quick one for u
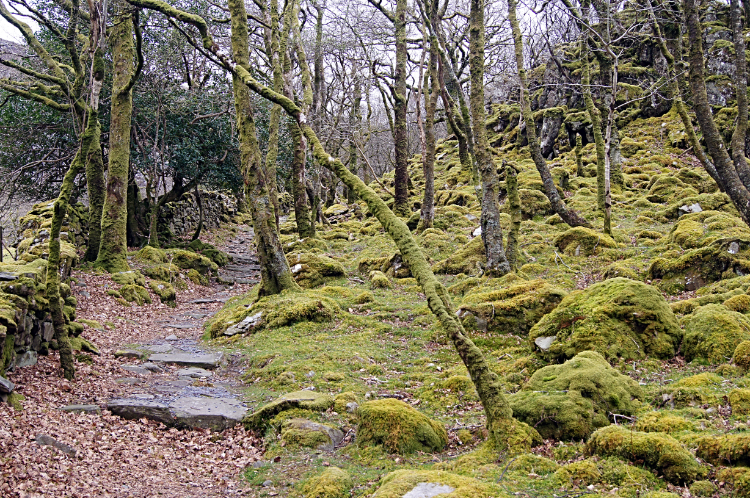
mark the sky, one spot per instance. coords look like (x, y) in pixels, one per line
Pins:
(8, 32)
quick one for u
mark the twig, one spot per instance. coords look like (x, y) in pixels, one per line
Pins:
(563, 262)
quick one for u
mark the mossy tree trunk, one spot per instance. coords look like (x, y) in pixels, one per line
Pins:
(273, 52)
(740, 91)
(558, 205)
(514, 205)
(579, 155)
(400, 109)
(725, 169)
(431, 93)
(299, 191)
(492, 232)
(275, 273)
(95, 186)
(508, 434)
(355, 122)
(113, 250)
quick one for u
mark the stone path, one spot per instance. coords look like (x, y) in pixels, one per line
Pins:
(244, 267)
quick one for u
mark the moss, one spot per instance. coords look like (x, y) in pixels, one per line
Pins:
(188, 260)
(129, 278)
(741, 356)
(310, 270)
(583, 241)
(91, 323)
(533, 203)
(469, 259)
(664, 188)
(739, 400)
(364, 298)
(713, 332)
(700, 389)
(165, 291)
(366, 265)
(298, 432)
(343, 399)
(571, 400)
(331, 483)
(135, 293)
(81, 344)
(736, 481)
(398, 427)
(305, 400)
(16, 401)
(379, 280)
(656, 451)
(663, 421)
(399, 483)
(165, 272)
(308, 245)
(739, 303)
(725, 449)
(703, 489)
(630, 480)
(511, 310)
(619, 270)
(630, 147)
(531, 463)
(197, 277)
(617, 317)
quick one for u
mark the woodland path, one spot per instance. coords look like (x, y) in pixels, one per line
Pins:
(89, 451)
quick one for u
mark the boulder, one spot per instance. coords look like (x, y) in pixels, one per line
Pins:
(617, 318)
(332, 483)
(306, 400)
(433, 483)
(582, 241)
(309, 434)
(398, 427)
(713, 332)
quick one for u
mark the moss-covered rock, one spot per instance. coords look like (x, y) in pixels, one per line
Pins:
(398, 427)
(582, 241)
(739, 400)
(618, 318)
(188, 260)
(310, 270)
(665, 188)
(135, 293)
(741, 356)
(572, 400)
(736, 480)
(379, 280)
(331, 483)
(700, 389)
(703, 489)
(397, 484)
(725, 449)
(165, 291)
(713, 332)
(511, 310)
(299, 432)
(306, 400)
(469, 259)
(663, 421)
(129, 278)
(656, 451)
(630, 479)
(739, 303)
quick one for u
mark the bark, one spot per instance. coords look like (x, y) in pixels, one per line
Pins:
(275, 273)
(492, 232)
(113, 249)
(355, 122)
(579, 155)
(427, 211)
(400, 108)
(558, 205)
(514, 203)
(740, 90)
(299, 192)
(95, 185)
(273, 52)
(714, 143)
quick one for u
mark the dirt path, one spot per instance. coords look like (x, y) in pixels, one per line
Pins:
(45, 451)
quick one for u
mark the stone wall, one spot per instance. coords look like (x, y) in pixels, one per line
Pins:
(181, 218)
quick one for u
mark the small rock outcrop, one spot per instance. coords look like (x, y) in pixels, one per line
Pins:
(713, 332)
(398, 427)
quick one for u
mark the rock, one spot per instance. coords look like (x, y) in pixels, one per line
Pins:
(44, 440)
(81, 409)
(572, 400)
(171, 337)
(583, 240)
(6, 386)
(302, 432)
(134, 408)
(160, 348)
(129, 353)
(331, 483)
(477, 232)
(136, 369)
(246, 324)
(428, 490)
(619, 318)
(209, 361)
(544, 343)
(179, 325)
(152, 367)
(194, 373)
(7, 277)
(207, 413)
(734, 247)
(129, 381)
(48, 331)
(307, 400)
(267, 483)
(352, 407)
(26, 359)
(399, 427)
(713, 332)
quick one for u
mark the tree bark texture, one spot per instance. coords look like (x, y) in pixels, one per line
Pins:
(400, 108)
(514, 203)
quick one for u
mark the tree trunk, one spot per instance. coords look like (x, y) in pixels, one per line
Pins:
(275, 273)
(299, 192)
(355, 122)
(400, 107)
(714, 143)
(514, 203)
(274, 55)
(492, 232)
(95, 185)
(113, 250)
(427, 211)
(558, 205)
(740, 91)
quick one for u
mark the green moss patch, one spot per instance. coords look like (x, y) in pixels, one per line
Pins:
(331, 483)
(310, 270)
(306, 400)
(582, 241)
(397, 484)
(713, 332)
(399, 427)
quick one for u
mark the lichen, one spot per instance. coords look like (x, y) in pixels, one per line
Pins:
(398, 427)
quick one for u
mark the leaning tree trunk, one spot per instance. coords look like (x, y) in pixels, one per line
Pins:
(275, 273)
(558, 205)
(113, 250)
(492, 232)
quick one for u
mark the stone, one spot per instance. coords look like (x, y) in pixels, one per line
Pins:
(6, 386)
(249, 322)
(7, 277)
(48, 331)
(152, 367)
(26, 359)
(206, 300)
(207, 413)
(428, 490)
(302, 432)
(128, 381)
(171, 337)
(194, 373)
(306, 400)
(129, 353)
(179, 325)
(267, 483)
(45, 440)
(352, 407)
(134, 409)
(201, 360)
(544, 343)
(477, 232)
(692, 208)
(734, 248)
(160, 348)
(135, 369)
(93, 409)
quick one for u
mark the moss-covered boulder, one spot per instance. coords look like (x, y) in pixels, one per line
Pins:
(188, 260)
(131, 277)
(469, 259)
(310, 270)
(306, 400)
(713, 332)
(306, 433)
(511, 310)
(630, 479)
(618, 318)
(572, 400)
(741, 356)
(379, 280)
(663, 421)
(165, 291)
(725, 449)
(665, 188)
(331, 483)
(659, 452)
(135, 293)
(582, 241)
(739, 400)
(398, 427)
(418, 482)
(248, 315)
(736, 480)
(700, 389)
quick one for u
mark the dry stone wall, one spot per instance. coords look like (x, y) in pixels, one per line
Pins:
(181, 218)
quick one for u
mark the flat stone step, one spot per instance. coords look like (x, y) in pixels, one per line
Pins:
(186, 412)
(180, 325)
(208, 361)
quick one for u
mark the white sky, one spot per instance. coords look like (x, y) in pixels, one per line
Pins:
(8, 32)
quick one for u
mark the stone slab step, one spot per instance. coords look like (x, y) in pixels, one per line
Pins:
(186, 412)
(209, 361)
